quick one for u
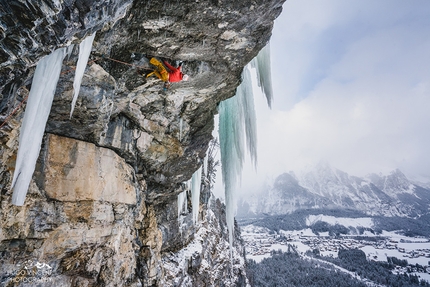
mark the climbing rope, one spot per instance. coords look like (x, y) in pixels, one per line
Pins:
(14, 111)
(74, 68)
(65, 72)
(128, 64)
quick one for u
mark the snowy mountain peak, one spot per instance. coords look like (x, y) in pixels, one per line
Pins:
(394, 183)
(325, 180)
(328, 187)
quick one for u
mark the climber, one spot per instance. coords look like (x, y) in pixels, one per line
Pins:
(168, 76)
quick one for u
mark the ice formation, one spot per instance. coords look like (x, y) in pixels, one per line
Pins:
(33, 125)
(245, 98)
(181, 127)
(261, 63)
(182, 203)
(196, 181)
(84, 54)
(69, 51)
(237, 120)
(205, 166)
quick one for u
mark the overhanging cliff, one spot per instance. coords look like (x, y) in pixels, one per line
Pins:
(101, 209)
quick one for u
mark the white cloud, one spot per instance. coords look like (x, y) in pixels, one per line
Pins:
(352, 86)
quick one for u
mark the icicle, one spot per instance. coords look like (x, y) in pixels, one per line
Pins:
(182, 206)
(262, 65)
(69, 51)
(33, 125)
(245, 99)
(181, 126)
(236, 117)
(196, 181)
(205, 165)
(84, 53)
(231, 162)
(182, 203)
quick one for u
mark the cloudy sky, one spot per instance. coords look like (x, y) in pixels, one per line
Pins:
(351, 86)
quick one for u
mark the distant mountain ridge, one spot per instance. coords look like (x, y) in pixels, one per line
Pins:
(328, 187)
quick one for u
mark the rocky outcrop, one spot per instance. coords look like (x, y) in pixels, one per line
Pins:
(101, 209)
(205, 262)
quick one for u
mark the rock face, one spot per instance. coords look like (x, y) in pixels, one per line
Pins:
(76, 171)
(101, 209)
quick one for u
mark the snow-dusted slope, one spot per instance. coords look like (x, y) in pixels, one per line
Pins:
(393, 184)
(345, 190)
(206, 261)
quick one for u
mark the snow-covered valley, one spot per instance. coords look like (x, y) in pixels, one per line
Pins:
(261, 241)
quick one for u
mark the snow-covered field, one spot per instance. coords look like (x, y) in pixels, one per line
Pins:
(396, 236)
(260, 241)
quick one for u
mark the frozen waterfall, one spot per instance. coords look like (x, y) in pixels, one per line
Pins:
(196, 181)
(237, 120)
(245, 98)
(33, 125)
(84, 54)
(261, 63)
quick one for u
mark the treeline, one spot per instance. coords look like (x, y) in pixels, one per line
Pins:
(297, 221)
(287, 269)
(410, 226)
(354, 260)
(333, 230)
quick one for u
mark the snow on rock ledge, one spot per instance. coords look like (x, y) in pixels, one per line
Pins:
(206, 261)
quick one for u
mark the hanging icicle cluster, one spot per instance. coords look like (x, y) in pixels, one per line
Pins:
(237, 125)
(236, 121)
(39, 104)
(33, 125)
(195, 185)
(261, 63)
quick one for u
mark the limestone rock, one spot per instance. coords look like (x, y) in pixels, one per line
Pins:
(78, 171)
(101, 209)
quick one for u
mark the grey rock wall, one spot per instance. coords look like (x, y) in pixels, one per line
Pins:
(102, 206)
